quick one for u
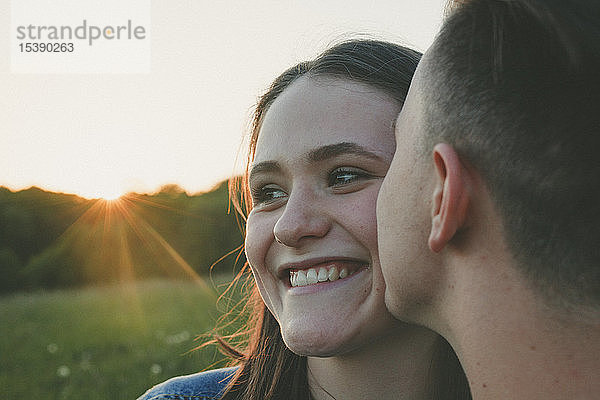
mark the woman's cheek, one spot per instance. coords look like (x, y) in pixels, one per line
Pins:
(362, 221)
(259, 237)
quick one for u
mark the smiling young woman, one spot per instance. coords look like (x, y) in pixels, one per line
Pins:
(323, 150)
(321, 144)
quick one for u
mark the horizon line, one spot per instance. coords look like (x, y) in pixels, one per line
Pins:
(160, 189)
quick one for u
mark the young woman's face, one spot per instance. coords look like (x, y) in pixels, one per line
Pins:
(323, 150)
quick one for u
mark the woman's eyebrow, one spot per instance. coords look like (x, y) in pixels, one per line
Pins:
(333, 150)
(264, 166)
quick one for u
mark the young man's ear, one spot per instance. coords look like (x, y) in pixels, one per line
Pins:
(450, 197)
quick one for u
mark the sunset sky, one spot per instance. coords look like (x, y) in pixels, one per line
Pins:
(101, 135)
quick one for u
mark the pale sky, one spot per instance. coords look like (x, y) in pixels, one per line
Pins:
(105, 134)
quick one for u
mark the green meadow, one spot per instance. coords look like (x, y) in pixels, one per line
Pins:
(111, 342)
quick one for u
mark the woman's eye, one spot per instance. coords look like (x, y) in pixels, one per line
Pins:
(345, 176)
(267, 194)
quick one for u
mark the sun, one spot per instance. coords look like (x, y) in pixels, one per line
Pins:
(102, 189)
(111, 196)
(107, 194)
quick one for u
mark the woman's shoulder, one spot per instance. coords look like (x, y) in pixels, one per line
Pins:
(201, 386)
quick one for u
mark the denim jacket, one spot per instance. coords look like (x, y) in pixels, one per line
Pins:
(207, 385)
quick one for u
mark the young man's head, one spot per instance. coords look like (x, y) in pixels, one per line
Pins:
(507, 97)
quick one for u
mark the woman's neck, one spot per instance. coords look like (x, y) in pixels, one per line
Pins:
(393, 367)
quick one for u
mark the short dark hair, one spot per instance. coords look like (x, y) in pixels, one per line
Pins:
(514, 86)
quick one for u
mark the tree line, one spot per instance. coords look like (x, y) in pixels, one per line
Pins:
(55, 240)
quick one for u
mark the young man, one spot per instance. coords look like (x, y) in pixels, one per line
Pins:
(489, 217)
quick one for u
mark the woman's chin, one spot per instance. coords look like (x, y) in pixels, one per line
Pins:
(317, 345)
(315, 350)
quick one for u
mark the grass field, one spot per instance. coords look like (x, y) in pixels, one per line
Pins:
(103, 343)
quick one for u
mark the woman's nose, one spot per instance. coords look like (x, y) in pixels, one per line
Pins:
(303, 219)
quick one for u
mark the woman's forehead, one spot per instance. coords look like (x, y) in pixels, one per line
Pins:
(311, 114)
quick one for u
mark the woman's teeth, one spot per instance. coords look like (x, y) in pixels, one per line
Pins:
(304, 277)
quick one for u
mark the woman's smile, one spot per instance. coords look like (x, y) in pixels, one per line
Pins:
(324, 273)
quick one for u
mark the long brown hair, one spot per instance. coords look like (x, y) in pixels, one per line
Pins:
(267, 368)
